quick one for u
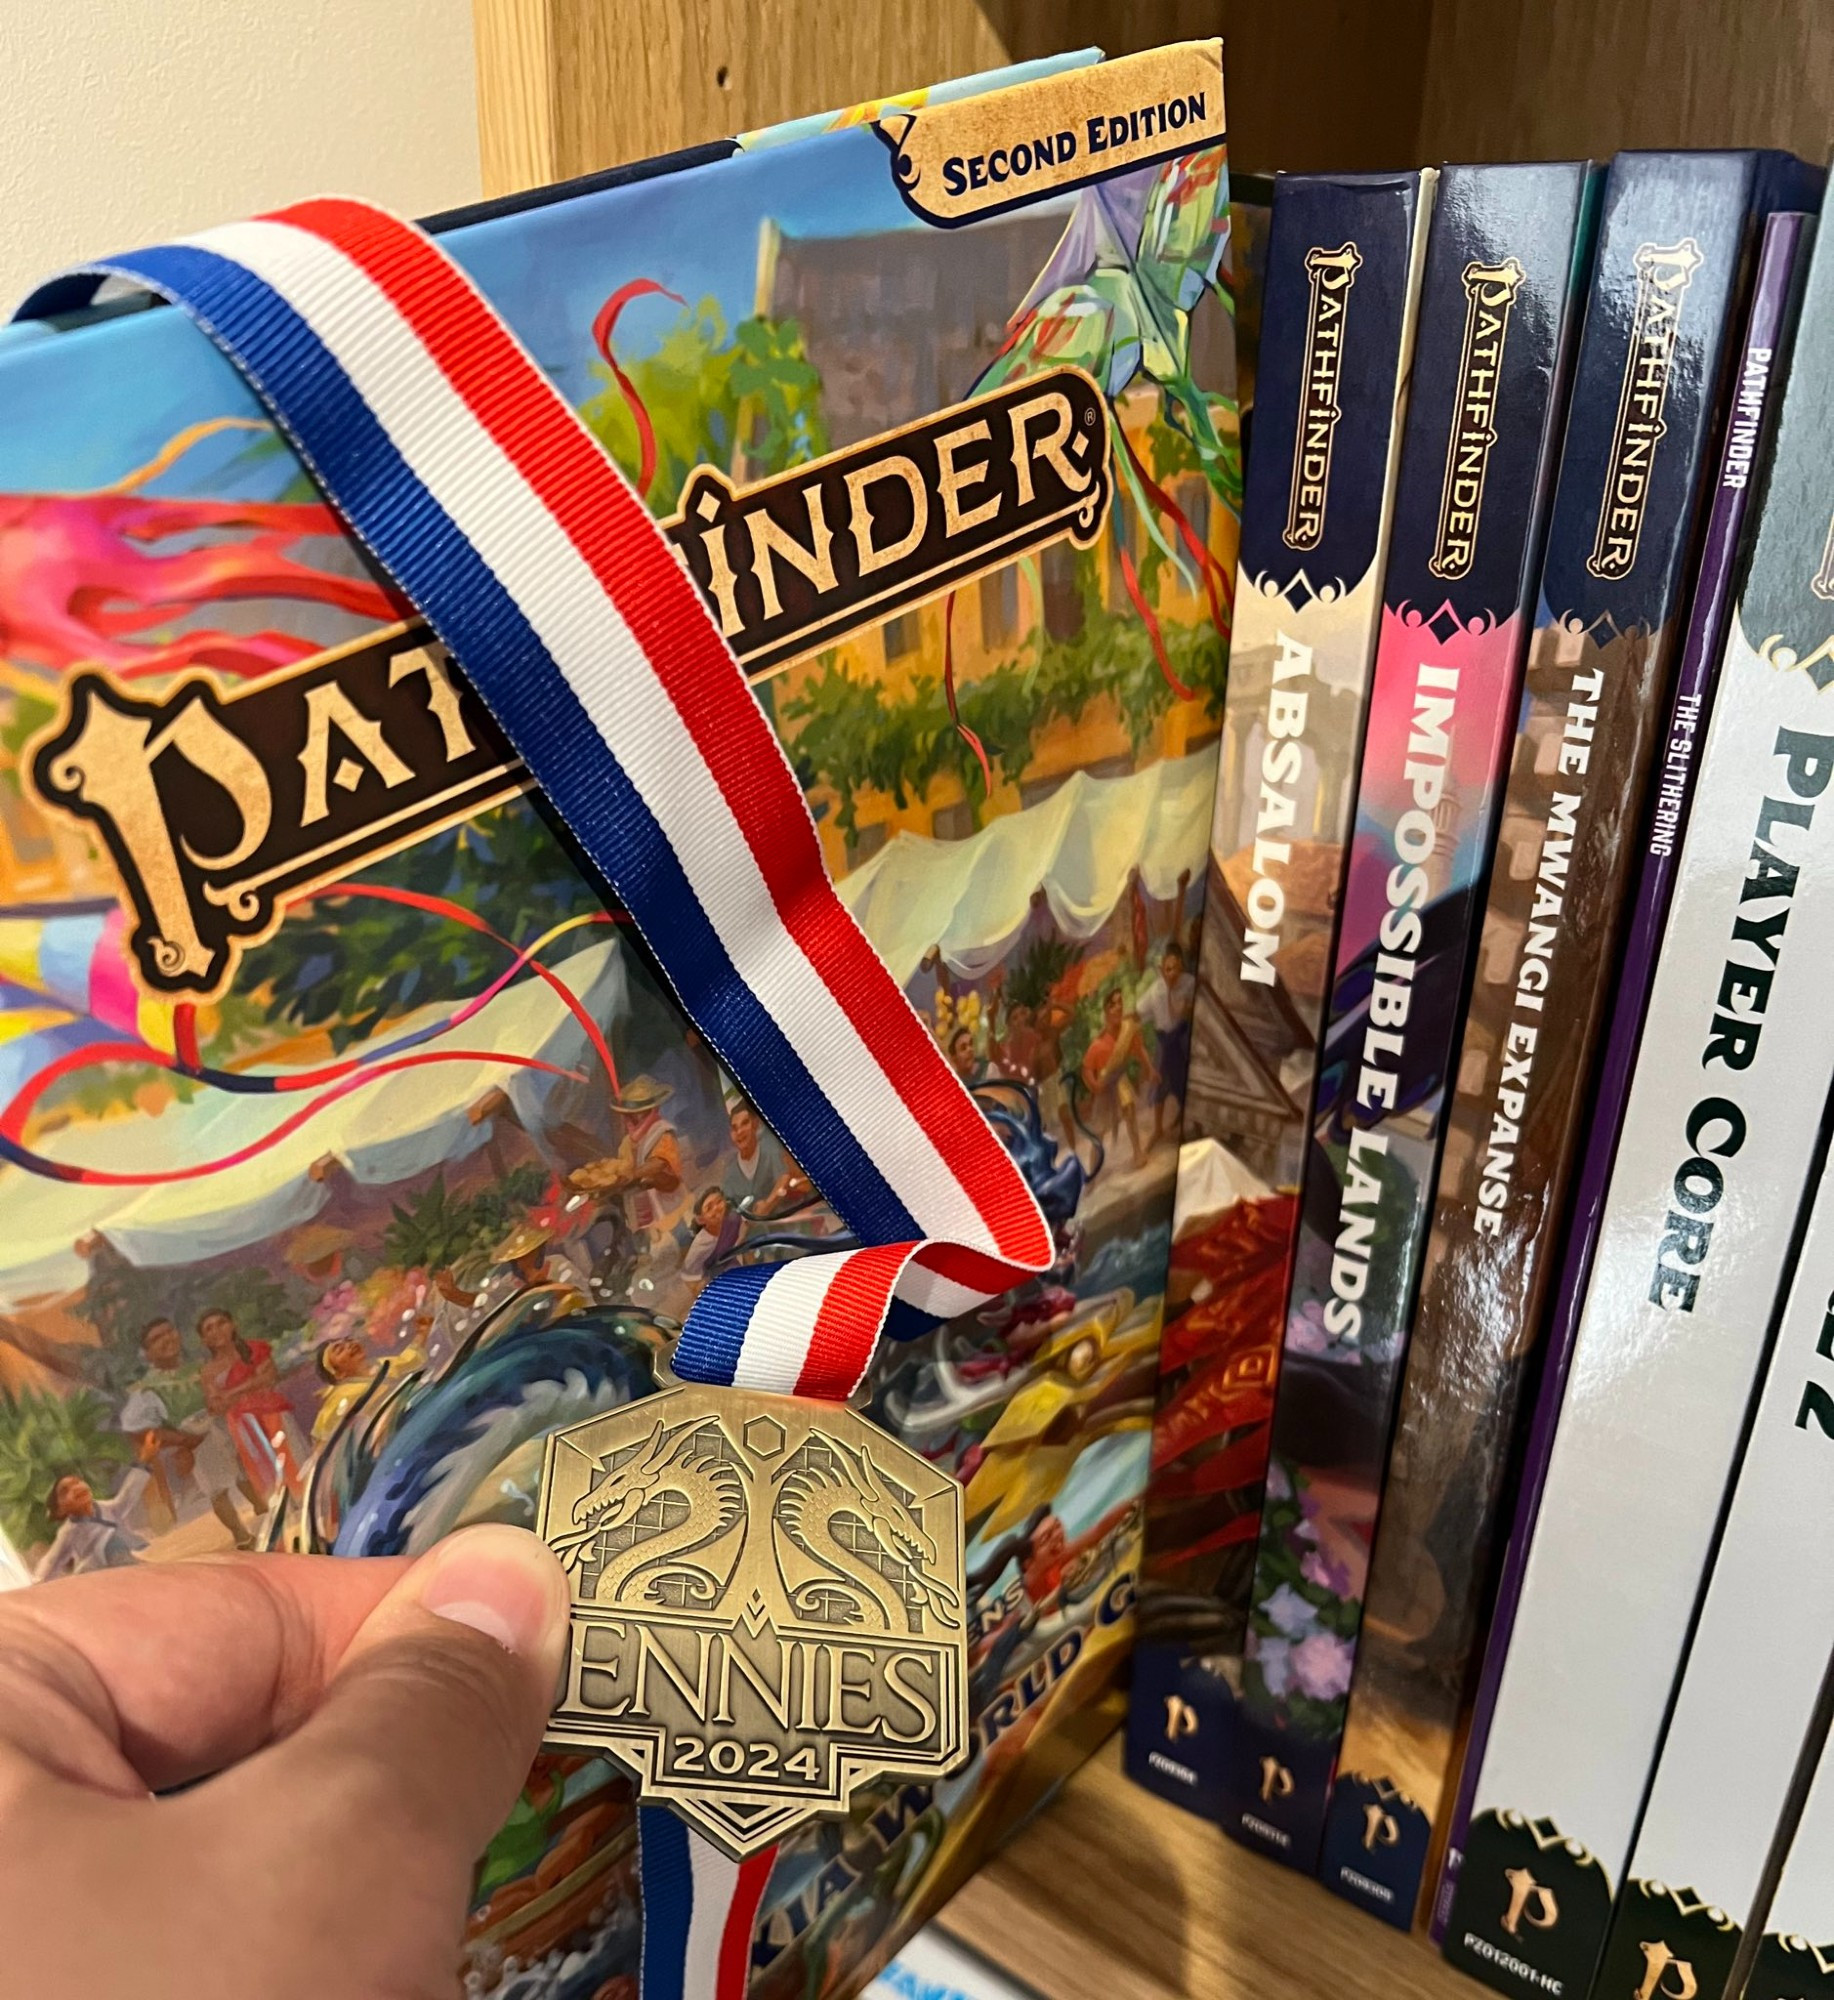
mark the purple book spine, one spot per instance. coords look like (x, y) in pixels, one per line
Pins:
(1751, 405)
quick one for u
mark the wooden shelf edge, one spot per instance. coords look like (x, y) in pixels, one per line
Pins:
(1111, 1894)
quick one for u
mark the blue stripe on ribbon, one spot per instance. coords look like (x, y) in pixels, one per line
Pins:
(342, 441)
(668, 1901)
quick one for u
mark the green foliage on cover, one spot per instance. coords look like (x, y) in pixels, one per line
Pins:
(711, 392)
(436, 1230)
(43, 1436)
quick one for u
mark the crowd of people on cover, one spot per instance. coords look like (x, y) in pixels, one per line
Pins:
(218, 1423)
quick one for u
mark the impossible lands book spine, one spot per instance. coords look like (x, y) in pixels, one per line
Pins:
(1719, 1137)
(1496, 309)
(1342, 278)
(1609, 629)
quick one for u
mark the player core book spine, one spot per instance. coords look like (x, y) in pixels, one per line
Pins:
(1720, 1134)
(1754, 1670)
(1599, 667)
(1496, 308)
(1794, 1958)
(1341, 286)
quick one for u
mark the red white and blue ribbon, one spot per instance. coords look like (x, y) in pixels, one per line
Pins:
(477, 488)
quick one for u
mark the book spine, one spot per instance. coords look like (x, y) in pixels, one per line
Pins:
(1339, 296)
(1483, 420)
(1719, 1136)
(1723, 1830)
(1754, 1669)
(1597, 688)
(1756, 392)
(1794, 1957)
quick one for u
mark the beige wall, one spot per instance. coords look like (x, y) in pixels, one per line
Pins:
(124, 120)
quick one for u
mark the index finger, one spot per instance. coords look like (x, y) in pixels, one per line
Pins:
(180, 1668)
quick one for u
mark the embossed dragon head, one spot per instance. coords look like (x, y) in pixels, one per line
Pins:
(888, 1514)
(620, 1490)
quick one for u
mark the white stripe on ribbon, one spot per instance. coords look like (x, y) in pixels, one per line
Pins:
(716, 1881)
(485, 495)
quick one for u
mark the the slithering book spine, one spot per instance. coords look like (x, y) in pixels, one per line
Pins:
(1721, 1132)
(1497, 309)
(1597, 691)
(1340, 291)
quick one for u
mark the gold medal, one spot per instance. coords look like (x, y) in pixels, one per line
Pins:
(767, 1605)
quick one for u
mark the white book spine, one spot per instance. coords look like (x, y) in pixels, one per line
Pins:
(1719, 1137)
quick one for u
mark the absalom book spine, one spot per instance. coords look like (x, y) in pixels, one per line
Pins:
(1597, 686)
(1755, 394)
(1719, 1137)
(1497, 307)
(1343, 261)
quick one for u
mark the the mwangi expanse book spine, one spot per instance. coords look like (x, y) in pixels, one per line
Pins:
(1344, 257)
(1497, 307)
(1701, 1223)
(1753, 398)
(352, 1142)
(1607, 636)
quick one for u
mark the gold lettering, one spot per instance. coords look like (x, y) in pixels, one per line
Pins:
(843, 1687)
(110, 768)
(442, 697)
(768, 539)
(1379, 1828)
(954, 478)
(651, 1649)
(1658, 1963)
(1180, 1718)
(1050, 448)
(912, 1697)
(776, 1699)
(328, 707)
(1529, 1902)
(1276, 1780)
(859, 516)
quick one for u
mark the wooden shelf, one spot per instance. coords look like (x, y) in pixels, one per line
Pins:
(1110, 1894)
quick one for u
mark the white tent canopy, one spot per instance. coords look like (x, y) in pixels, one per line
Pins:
(382, 1133)
(1081, 846)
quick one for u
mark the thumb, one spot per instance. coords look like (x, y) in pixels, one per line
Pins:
(428, 1727)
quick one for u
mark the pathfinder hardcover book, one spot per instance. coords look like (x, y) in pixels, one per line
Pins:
(352, 1143)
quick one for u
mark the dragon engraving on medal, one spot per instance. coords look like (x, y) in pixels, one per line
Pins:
(767, 1605)
(653, 1505)
(876, 1560)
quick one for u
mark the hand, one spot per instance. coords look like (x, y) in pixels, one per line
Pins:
(361, 1727)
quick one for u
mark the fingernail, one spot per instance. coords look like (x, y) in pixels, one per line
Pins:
(500, 1581)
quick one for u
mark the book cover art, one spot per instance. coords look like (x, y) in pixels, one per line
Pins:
(1595, 693)
(1344, 257)
(329, 1194)
(1700, 1230)
(1497, 309)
